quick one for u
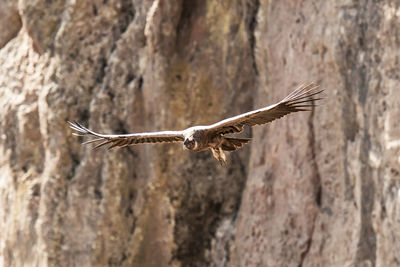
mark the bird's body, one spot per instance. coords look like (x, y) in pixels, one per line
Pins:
(212, 137)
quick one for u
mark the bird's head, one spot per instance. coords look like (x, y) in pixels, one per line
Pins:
(189, 143)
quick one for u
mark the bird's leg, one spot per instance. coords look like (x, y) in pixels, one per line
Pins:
(222, 155)
(219, 154)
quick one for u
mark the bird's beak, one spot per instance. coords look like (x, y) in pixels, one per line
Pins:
(185, 144)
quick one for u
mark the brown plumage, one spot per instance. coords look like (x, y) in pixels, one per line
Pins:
(199, 138)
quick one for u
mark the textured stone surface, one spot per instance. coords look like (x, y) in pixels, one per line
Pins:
(10, 21)
(312, 189)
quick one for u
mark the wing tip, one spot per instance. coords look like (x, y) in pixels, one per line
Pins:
(77, 127)
(304, 91)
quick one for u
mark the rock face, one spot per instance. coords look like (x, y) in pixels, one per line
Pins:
(312, 189)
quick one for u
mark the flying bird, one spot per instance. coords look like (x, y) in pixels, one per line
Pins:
(212, 137)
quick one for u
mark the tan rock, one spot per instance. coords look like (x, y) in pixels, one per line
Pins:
(312, 189)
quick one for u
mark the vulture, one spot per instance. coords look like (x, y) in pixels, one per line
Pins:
(212, 137)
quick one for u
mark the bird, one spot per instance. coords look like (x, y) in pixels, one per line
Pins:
(212, 137)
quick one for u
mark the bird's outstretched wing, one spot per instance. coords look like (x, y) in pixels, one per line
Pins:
(126, 139)
(302, 99)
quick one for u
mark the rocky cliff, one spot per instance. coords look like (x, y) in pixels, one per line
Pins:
(313, 189)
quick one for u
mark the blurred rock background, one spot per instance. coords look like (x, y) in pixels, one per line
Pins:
(312, 189)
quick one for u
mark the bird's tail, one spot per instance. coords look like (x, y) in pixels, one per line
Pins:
(231, 144)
